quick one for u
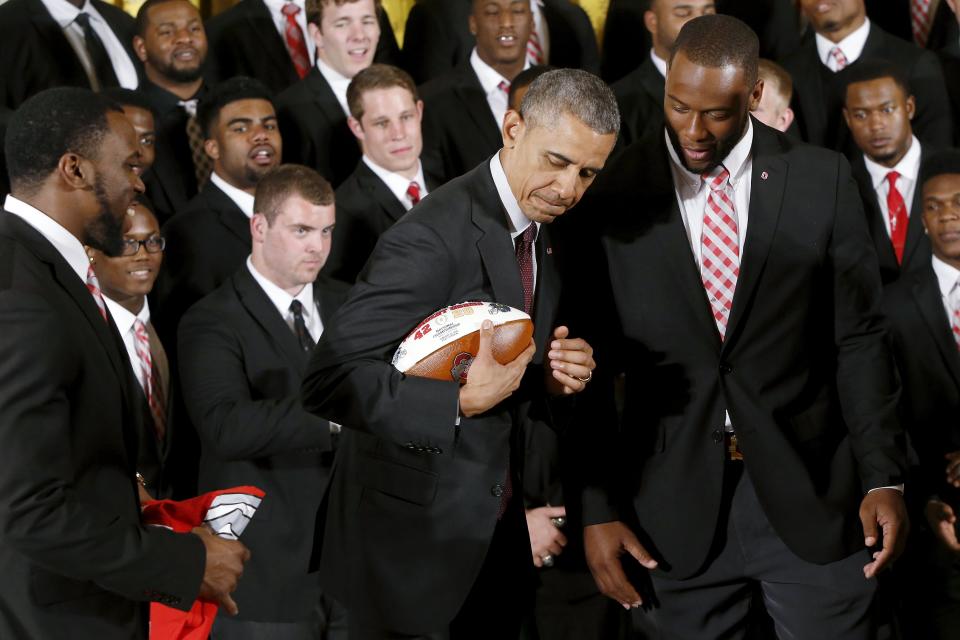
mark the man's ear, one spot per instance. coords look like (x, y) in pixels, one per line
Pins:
(786, 118)
(76, 171)
(355, 127)
(258, 227)
(140, 48)
(211, 148)
(756, 95)
(911, 107)
(513, 127)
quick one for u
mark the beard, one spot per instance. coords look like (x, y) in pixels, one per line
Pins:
(722, 150)
(177, 74)
(105, 232)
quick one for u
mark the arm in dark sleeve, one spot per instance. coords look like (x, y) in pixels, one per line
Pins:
(933, 121)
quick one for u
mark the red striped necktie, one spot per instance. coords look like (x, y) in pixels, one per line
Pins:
(93, 286)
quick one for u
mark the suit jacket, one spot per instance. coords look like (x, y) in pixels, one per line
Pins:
(413, 500)
(640, 97)
(929, 364)
(244, 41)
(365, 209)
(804, 370)
(242, 367)
(437, 37)
(916, 252)
(314, 129)
(77, 562)
(625, 38)
(152, 452)
(950, 62)
(776, 23)
(893, 16)
(818, 93)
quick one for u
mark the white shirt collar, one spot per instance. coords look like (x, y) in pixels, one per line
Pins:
(489, 77)
(122, 317)
(65, 13)
(515, 216)
(735, 162)
(241, 198)
(337, 81)
(280, 298)
(659, 63)
(851, 46)
(66, 244)
(947, 276)
(398, 184)
(908, 167)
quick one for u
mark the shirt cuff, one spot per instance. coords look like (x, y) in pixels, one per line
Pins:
(897, 487)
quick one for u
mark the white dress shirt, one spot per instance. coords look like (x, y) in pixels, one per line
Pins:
(398, 184)
(338, 83)
(65, 15)
(516, 218)
(947, 278)
(659, 63)
(909, 170)
(490, 80)
(851, 46)
(275, 7)
(241, 198)
(124, 321)
(62, 240)
(281, 300)
(543, 30)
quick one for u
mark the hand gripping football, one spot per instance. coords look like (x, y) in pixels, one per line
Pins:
(446, 342)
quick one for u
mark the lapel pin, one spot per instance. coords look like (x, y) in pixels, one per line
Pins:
(549, 251)
(764, 175)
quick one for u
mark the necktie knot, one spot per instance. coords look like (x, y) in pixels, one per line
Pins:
(504, 86)
(529, 234)
(840, 60)
(296, 308)
(413, 192)
(190, 106)
(524, 255)
(83, 19)
(892, 178)
(300, 327)
(290, 10)
(716, 178)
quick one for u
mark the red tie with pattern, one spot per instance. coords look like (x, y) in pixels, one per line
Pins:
(296, 44)
(920, 20)
(953, 301)
(897, 212)
(534, 48)
(151, 386)
(720, 246)
(840, 60)
(413, 192)
(93, 286)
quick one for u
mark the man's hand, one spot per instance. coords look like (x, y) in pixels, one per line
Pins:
(571, 363)
(546, 539)
(953, 469)
(942, 521)
(604, 544)
(884, 508)
(224, 567)
(489, 382)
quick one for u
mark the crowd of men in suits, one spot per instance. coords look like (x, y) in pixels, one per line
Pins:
(234, 191)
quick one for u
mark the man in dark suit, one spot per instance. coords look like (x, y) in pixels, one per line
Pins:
(878, 109)
(385, 116)
(243, 351)
(77, 561)
(899, 18)
(173, 46)
(843, 35)
(759, 445)
(423, 532)
(313, 112)
(923, 312)
(949, 55)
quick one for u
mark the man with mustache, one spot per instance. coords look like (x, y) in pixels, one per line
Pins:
(758, 446)
(77, 561)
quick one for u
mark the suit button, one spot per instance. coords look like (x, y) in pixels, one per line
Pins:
(725, 368)
(717, 436)
(496, 490)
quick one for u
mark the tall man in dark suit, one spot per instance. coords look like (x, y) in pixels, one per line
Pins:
(173, 46)
(760, 444)
(949, 55)
(313, 112)
(923, 313)
(843, 35)
(77, 561)
(878, 109)
(243, 352)
(424, 533)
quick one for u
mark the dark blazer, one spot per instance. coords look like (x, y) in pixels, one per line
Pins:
(244, 41)
(625, 39)
(804, 370)
(37, 56)
(640, 98)
(893, 16)
(152, 451)
(950, 62)
(437, 37)
(916, 253)
(241, 367)
(314, 129)
(413, 500)
(929, 365)
(776, 23)
(76, 559)
(818, 93)
(365, 209)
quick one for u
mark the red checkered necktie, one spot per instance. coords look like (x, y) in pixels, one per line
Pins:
(839, 60)
(534, 47)
(505, 87)
(897, 213)
(720, 246)
(93, 286)
(413, 192)
(296, 44)
(151, 386)
(953, 301)
(920, 20)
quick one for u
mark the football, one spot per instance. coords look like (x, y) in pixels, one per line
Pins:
(444, 344)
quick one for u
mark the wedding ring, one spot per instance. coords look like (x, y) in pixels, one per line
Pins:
(547, 560)
(585, 380)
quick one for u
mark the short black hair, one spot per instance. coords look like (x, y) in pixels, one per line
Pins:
(940, 163)
(50, 124)
(865, 70)
(525, 78)
(236, 88)
(142, 20)
(719, 40)
(129, 97)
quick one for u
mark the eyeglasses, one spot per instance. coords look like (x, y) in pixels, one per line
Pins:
(153, 244)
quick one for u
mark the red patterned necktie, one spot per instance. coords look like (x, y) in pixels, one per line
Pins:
(151, 386)
(720, 246)
(413, 192)
(897, 213)
(953, 301)
(524, 253)
(93, 286)
(839, 59)
(534, 48)
(296, 44)
(920, 20)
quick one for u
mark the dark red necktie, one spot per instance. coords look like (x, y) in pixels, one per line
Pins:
(897, 211)
(413, 192)
(524, 252)
(296, 44)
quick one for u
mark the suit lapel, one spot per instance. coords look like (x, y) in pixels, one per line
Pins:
(811, 97)
(230, 215)
(325, 98)
(915, 233)
(379, 192)
(51, 35)
(262, 309)
(926, 295)
(474, 101)
(493, 244)
(270, 43)
(547, 294)
(875, 221)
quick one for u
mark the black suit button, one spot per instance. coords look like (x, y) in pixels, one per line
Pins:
(725, 368)
(409, 445)
(496, 490)
(717, 436)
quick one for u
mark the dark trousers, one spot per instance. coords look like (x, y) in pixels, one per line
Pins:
(805, 600)
(928, 577)
(328, 622)
(570, 607)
